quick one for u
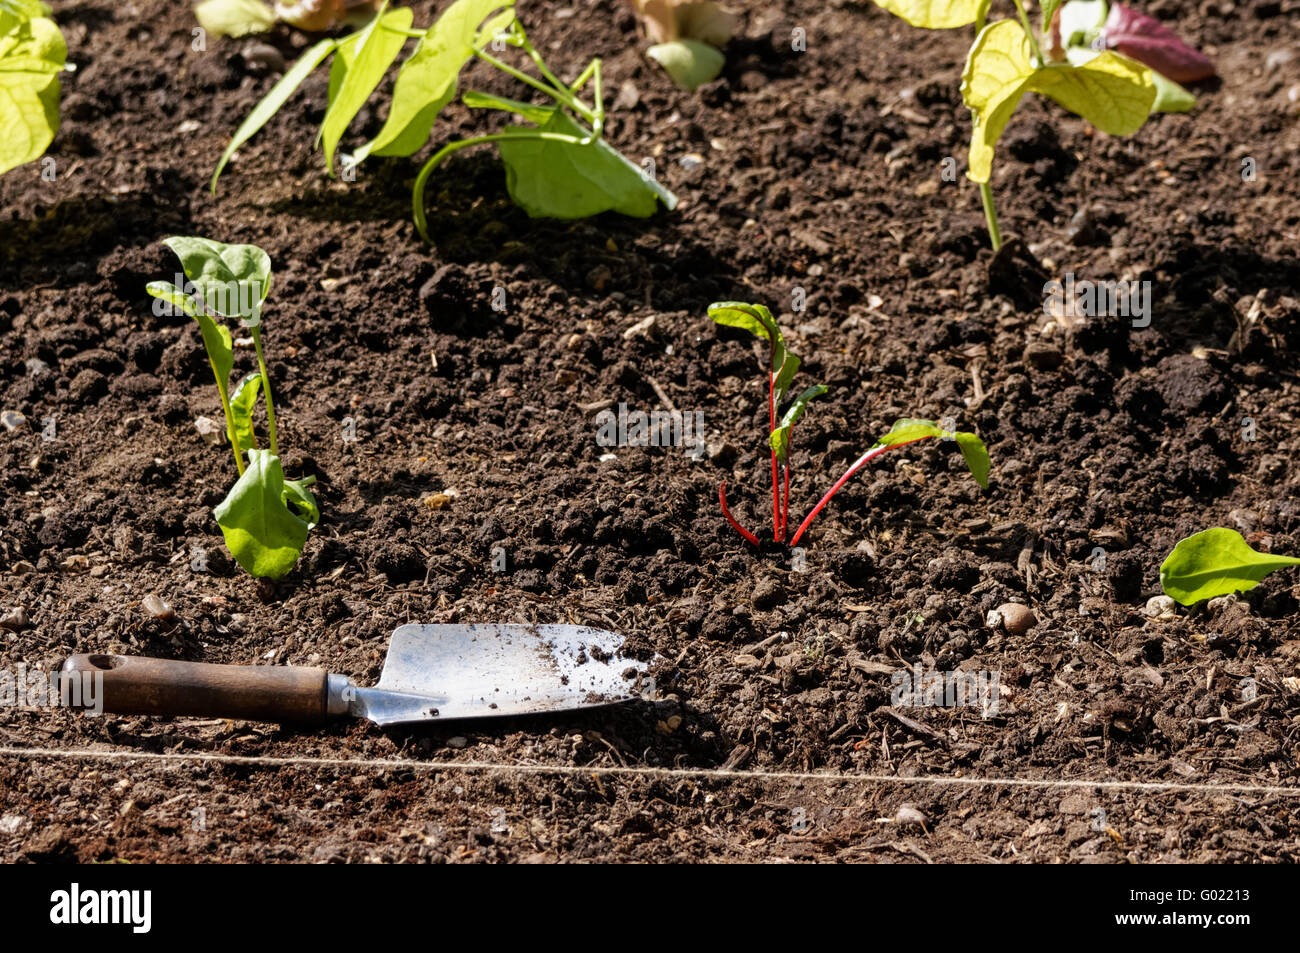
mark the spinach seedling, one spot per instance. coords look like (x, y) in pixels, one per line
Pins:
(32, 54)
(1113, 91)
(558, 165)
(264, 518)
(781, 367)
(1215, 562)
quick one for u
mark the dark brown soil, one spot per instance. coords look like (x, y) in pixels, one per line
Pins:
(818, 170)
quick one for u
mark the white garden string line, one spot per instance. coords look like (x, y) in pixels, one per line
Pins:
(722, 774)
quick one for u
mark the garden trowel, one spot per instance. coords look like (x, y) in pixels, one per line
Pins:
(432, 673)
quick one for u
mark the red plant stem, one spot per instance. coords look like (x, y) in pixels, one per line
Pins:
(861, 462)
(771, 425)
(722, 498)
(785, 509)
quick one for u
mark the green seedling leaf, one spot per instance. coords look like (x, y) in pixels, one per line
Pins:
(908, 429)
(359, 64)
(780, 439)
(1081, 20)
(297, 495)
(758, 321)
(690, 63)
(1171, 97)
(1112, 92)
(935, 14)
(261, 533)
(427, 80)
(272, 101)
(242, 404)
(789, 367)
(972, 447)
(216, 337)
(232, 280)
(32, 54)
(234, 17)
(14, 12)
(1213, 563)
(976, 456)
(534, 114)
(555, 179)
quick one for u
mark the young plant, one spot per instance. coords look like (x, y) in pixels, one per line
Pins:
(688, 36)
(32, 54)
(781, 366)
(264, 518)
(558, 164)
(1113, 91)
(1215, 562)
(242, 17)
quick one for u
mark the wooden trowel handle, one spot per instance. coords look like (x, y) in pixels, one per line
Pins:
(150, 686)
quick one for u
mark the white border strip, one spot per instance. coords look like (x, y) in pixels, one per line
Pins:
(488, 767)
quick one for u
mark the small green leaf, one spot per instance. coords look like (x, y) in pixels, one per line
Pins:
(261, 533)
(935, 14)
(358, 67)
(758, 321)
(427, 80)
(297, 495)
(976, 455)
(272, 101)
(1171, 97)
(1213, 563)
(534, 114)
(32, 54)
(690, 63)
(174, 296)
(234, 17)
(789, 367)
(232, 280)
(216, 337)
(908, 429)
(554, 179)
(242, 404)
(780, 439)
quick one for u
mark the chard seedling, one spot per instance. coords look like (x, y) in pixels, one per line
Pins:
(558, 164)
(264, 518)
(688, 37)
(32, 54)
(1113, 91)
(1216, 562)
(781, 367)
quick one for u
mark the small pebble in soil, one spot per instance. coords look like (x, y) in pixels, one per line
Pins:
(909, 816)
(156, 607)
(1159, 607)
(12, 420)
(457, 742)
(211, 432)
(15, 619)
(1012, 617)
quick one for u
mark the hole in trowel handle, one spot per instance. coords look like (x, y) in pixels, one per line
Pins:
(105, 662)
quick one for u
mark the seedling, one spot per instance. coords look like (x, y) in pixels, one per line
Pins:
(1216, 562)
(264, 518)
(781, 367)
(242, 17)
(558, 165)
(688, 37)
(1113, 91)
(32, 54)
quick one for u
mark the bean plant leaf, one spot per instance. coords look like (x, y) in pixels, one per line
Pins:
(261, 533)
(242, 404)
(690, 63)
(234, 17)
(1213, 563)
(14, 12)
(272, 101)
(232, 280)
(780, 439)
(32, 53)
(427, 80)
(556, 179)
(1112, 92)
(935, 14)
(533, 113)
(1150, 42)
(359, 65)
(216, 337)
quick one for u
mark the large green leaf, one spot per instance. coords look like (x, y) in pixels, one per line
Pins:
(935, 14)
(427, 80)
(780, 438)
(1112, 92)
(553, 179)
(261, 533)
(1214, 563)
(32, 53)
(232, 280)
(272, 101)
(242, 404)
(359, 64)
